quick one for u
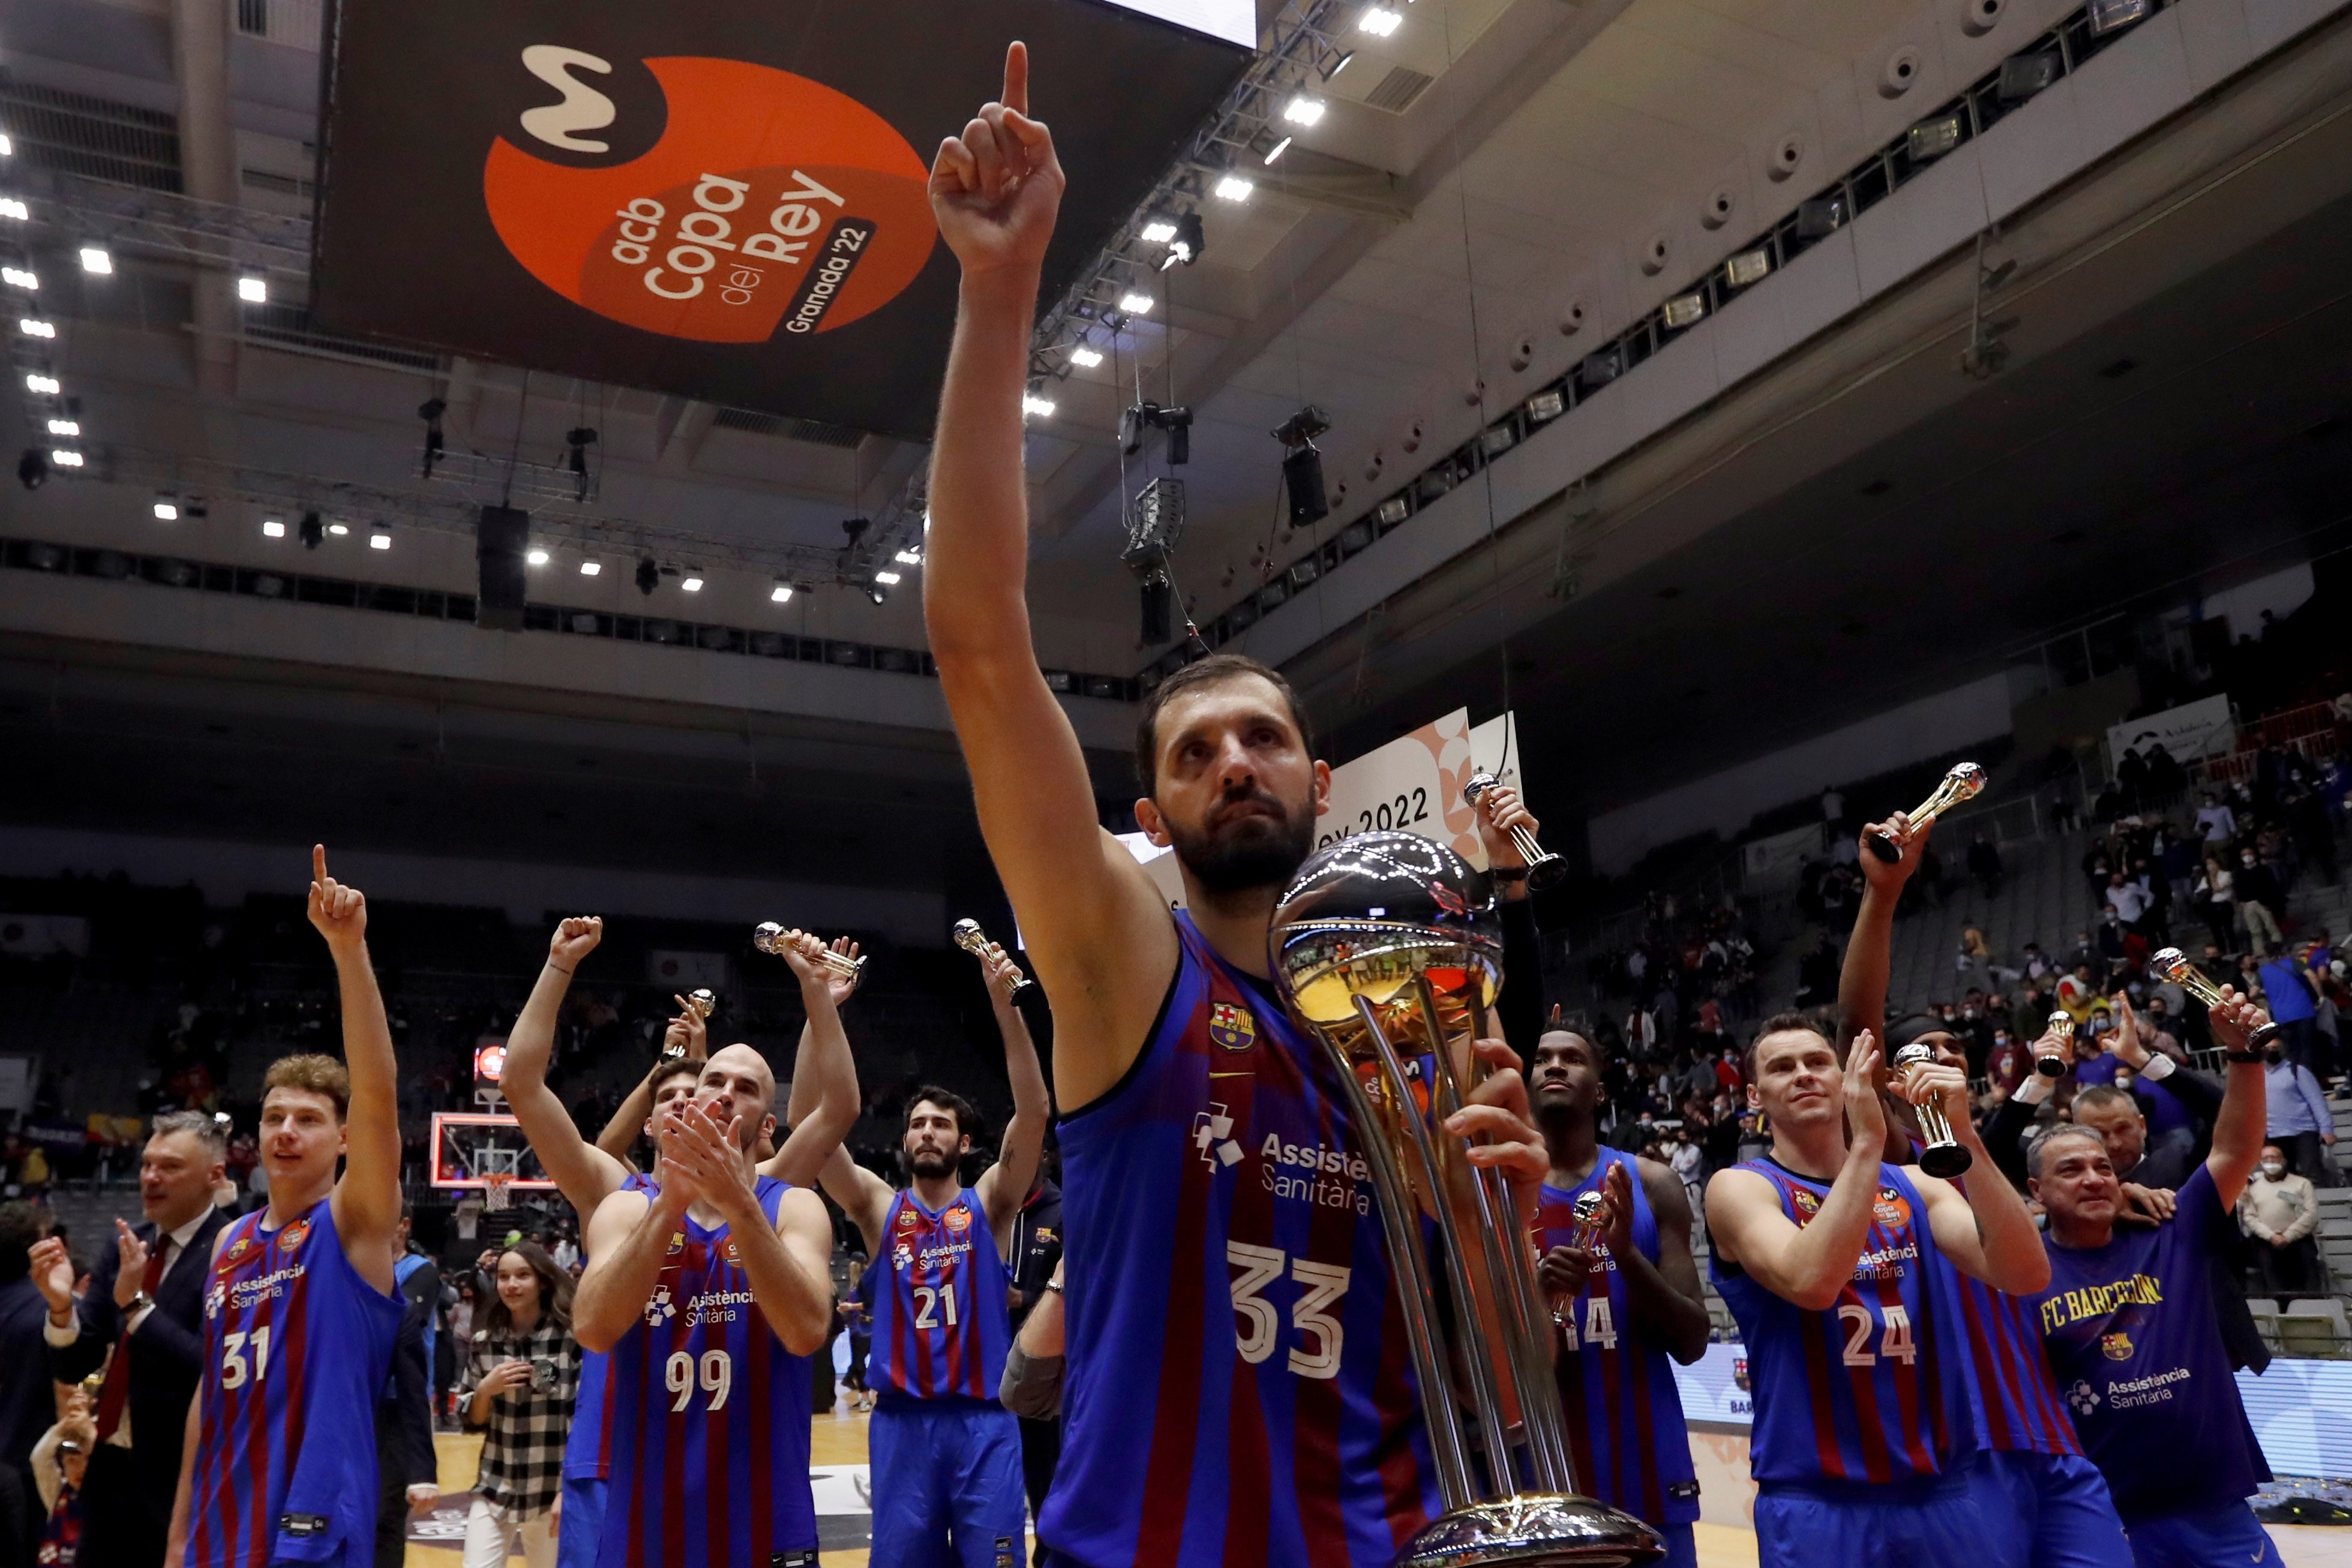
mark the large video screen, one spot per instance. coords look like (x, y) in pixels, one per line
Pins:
(725, 200)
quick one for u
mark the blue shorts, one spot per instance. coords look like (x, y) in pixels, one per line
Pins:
(947, 1484)
(1940, 1522)
(581, 1527)
(1682, 1546)
(2065, 1516)
(2229, 1535)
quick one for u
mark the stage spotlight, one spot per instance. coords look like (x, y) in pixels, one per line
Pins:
(888, 578)
(47, 386)
(1303, 110)
(534, 557)
(853, 530)
(1043, 407)
(1136, 304)
(64, 427)
(781, 594)
(1158, 229)
(591, 567)
(877, 591)
(1379, 21)
(34, 326)
(2114, 16)
(1933, 137)
(33, 468)
(1303, 426)
(1547, 405)
(430, 410)
(310, 531)
(579, 441)
(253, 290)
(1085, 358)
(1233, 188)
(18, 278)
(1341, 64)
(909, 558)
(1684, 310)
(66, 457)
(273, 528)
(379, 539)
(689, 584)
(2022, 75)
(648, 575)
(167, 508)
(1187, 243)
(95, 259)
(1748, 267)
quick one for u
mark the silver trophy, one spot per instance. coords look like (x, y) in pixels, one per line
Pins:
(1943, 1157)
(974, 941)
(1965, 782)
(2174, 965)
(1544, 868)
(1387, 947)
(771, 938)
(704, 1003)
(1588, 1217)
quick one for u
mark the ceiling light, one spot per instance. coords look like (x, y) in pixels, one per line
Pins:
(877, 591)
(1159, 230)
(1278, 149)
(1748, 267)
(1134, 304)
(167, 509)
(273, 529)
(7, 147)
(781, 594)
(253, 290)
(534, 558)
(1335, 67)
(2111, 16)
(590, 568)
(65, 457)
(36, 383)
(1043, 407)
(1085, 358)
(1233, 188)
(1298, 111)
(1933, 137)
(690, 585)
(1684, 309)
(33, 327)
(379, 540)
(14, 207)
(1379, 21)
(909, 558)
(64, 427)
(18, 278)
(94, 258)
(339, 529)
(886, 579)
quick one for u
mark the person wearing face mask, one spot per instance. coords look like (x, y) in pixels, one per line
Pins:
(2279, 1210)
(2300, 1121)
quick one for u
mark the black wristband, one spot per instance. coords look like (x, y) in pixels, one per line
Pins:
(1507, 873)
(2247, 1058)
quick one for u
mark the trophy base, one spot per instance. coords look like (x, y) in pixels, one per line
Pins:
(1533, 1529)
(1946, 1160)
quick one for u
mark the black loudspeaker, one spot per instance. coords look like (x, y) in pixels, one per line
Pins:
(1302, 470)
(499, 540)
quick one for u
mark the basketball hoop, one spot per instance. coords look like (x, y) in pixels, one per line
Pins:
(494, 1197)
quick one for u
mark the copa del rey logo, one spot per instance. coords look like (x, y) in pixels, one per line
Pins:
(772, 204)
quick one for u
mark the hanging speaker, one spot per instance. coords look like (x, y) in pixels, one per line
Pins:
(499, 539)
(1302, 472)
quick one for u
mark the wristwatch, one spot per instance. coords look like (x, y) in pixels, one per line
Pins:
(138, 1303)
(1054, 1286)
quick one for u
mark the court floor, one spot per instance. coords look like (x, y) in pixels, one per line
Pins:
(840, 1439)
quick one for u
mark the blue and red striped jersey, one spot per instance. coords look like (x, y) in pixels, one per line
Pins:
(297, 1347)
(1238, 1386)
(61, 1531)
(588, 1448)
(1871, 1388)
(1624, 1414)
(2017, 1409)
(709, 1431)
(941, 1329)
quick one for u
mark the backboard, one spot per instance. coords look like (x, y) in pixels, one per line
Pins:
(468, 1145)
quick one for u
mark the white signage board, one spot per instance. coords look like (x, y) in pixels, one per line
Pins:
(2201, 729)
(1234, 21)
(1415, 783)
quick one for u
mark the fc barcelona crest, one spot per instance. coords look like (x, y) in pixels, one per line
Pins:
(1231, 1026)
(2115, 1346)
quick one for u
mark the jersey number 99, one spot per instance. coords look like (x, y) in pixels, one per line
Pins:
(717, 1377)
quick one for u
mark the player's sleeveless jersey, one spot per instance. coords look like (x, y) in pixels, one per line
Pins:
(710, 1429)
(1624, 1414)
(1871, 1389)
(1238, 1386)
(297, 1346)
(588, 1448)
(2016, 1400)
(61, 1531)
(941, 1329)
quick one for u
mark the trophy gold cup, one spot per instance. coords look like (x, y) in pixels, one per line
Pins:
(1965, 782)
(771, 938)
(1544, 868)
(2174, 965)
(1387, 948)
(974, 941)
(2061, 1029)
(1943, 1157)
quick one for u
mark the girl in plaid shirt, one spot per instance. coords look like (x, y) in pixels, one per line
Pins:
(518, 1387)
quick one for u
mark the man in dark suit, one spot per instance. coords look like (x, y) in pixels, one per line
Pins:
(146, 1295)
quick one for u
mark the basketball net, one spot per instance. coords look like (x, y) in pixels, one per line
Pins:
(494, 1197)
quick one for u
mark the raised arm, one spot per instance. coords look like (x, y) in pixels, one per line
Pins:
(863, 1195)
(367, 1199)
(1809, 1265)
(584, 1173)
(627, 1124)
(628, 1239)
(1096, 927)
(824, 1059)
(2243, 1121)
(1004, 1184)
(1519, 1010)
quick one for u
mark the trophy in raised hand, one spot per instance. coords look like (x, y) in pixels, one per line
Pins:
(1388, 949)
(974, 941)
(2174, 965)
(771, 938)
(1965, 782)
(1544, 868)
(702, 1002)
(1943, 1157)
(2058, 1032)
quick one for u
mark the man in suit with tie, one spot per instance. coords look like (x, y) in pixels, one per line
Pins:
(146, 1299)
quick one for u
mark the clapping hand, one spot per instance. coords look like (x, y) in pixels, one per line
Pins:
(53, 1274)
(131, 1260)
(1865, 1115)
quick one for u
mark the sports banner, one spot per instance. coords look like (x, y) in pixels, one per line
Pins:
(724, 199)
(1415, 783)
